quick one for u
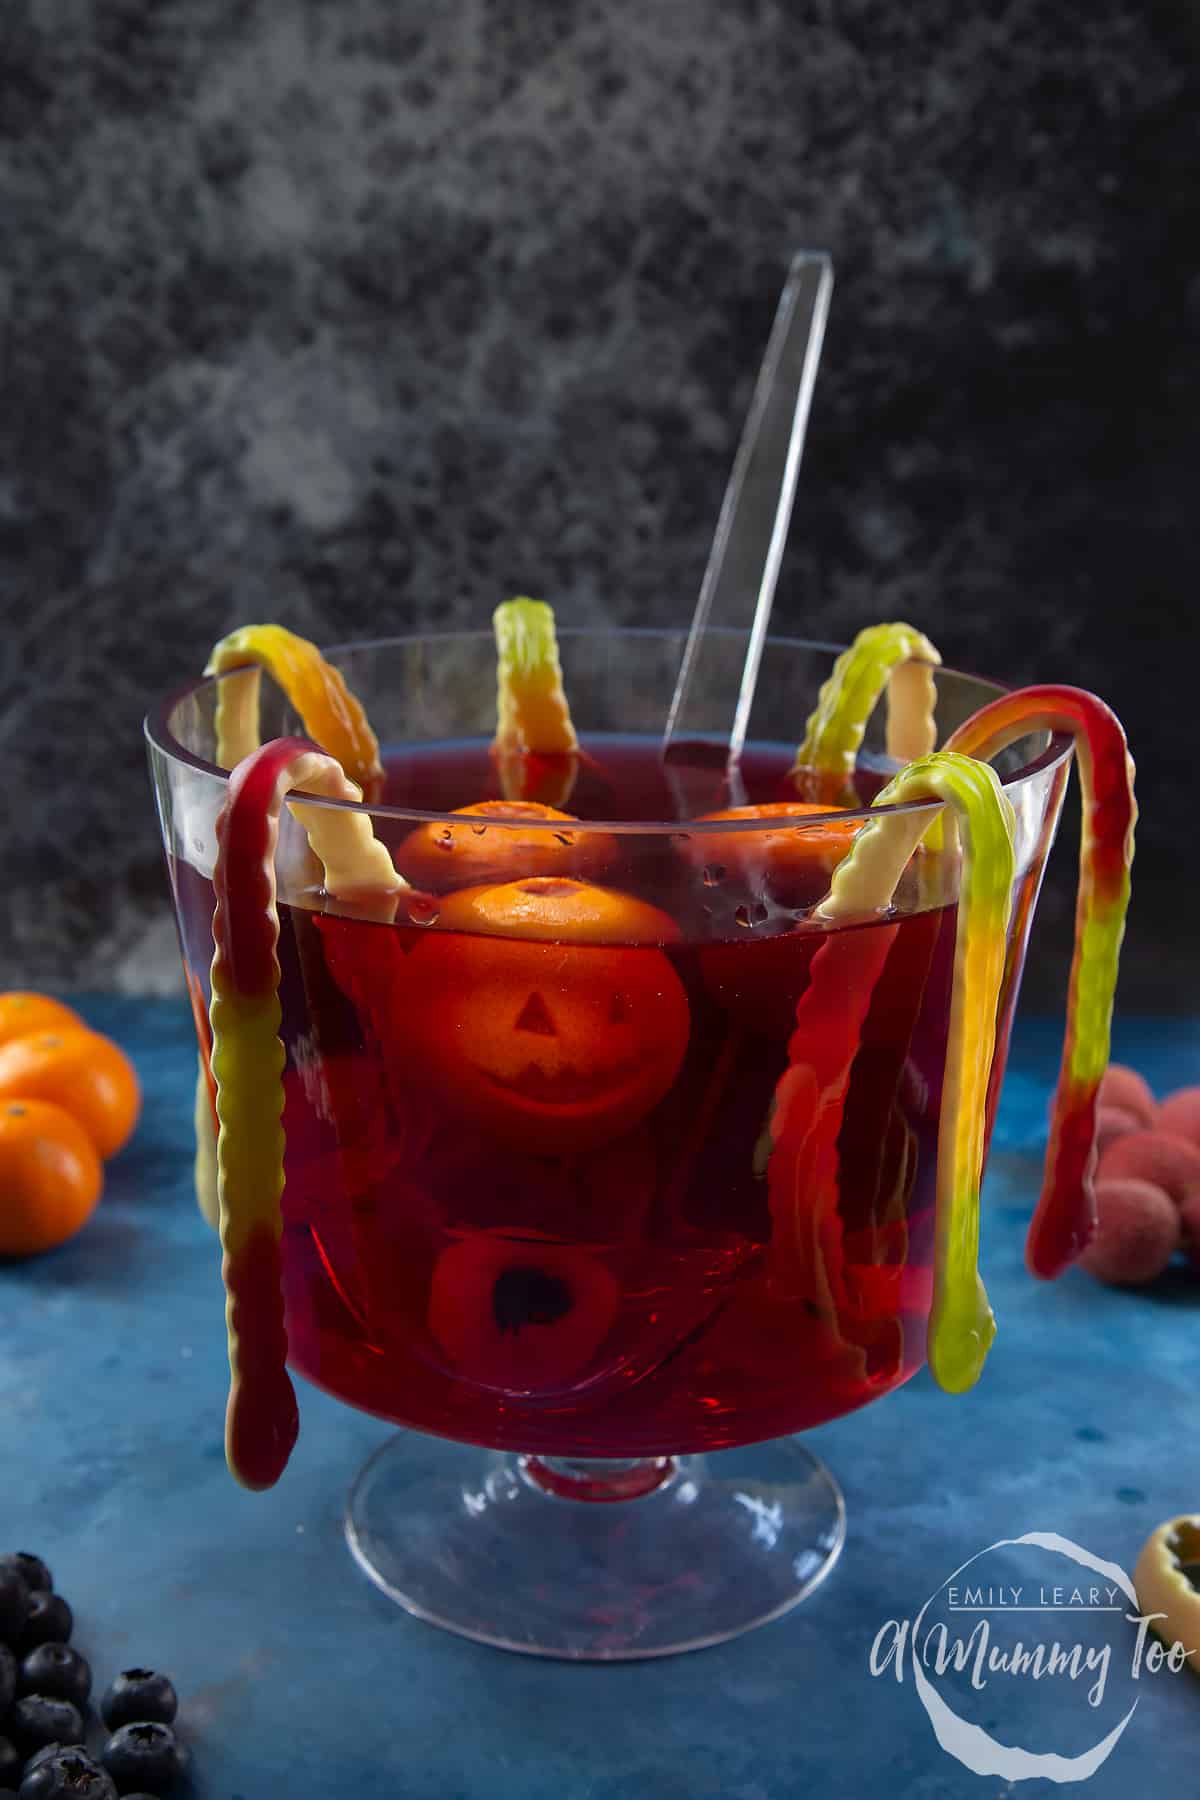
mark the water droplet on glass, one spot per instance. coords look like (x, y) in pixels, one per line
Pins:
(423, 912)
(478, 830)
(742, 915)
(446, 841)
(714, 874)
(564, 837)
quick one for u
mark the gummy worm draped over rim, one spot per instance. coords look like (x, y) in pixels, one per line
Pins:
(535, 747)
(330, 713)
(961, 1326)
(261, 1421)
(897, 657)
(1065, 1218)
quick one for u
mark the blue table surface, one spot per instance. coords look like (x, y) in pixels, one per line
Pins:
(298, 1677)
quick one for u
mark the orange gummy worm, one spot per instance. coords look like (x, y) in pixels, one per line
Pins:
(331, 715)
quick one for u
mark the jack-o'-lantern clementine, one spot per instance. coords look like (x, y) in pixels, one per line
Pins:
(501, 840)
(557, 1045)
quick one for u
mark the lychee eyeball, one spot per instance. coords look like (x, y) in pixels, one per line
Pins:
(1125, 1088)
(1137, 1234)
(1167, 1162)
(1179, 1115)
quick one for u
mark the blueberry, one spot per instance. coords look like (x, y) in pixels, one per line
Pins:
(14, 1605)
(58, 1670)
(147, 1753)
(10, 1764)
(30, 1568)
(136, 1696)
(49, 1750)
(70, 1775)
(49, 1620)
(40, 1719)
(8, 1679)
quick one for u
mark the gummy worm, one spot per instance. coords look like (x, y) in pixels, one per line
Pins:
(204, 1111)
(261, 1421)
(961, 1326)
(1065, 1217)
(896, 657)
(330, 713)
(535, 747)
(806, 1118)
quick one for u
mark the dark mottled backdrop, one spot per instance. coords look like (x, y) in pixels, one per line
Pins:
(368, 312)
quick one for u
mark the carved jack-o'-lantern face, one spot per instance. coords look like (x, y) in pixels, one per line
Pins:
(553, 1047)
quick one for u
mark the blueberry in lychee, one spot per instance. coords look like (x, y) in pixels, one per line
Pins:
(147, 1753)
(519, 1313)
(49, 1620)
(136, 1696)
(57, 1670)
(14, 1605)
(39, 1719)
(67, 1775)
(30, 1568)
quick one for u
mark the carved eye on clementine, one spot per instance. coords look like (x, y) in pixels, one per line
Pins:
(552, 1046)
(491, 846)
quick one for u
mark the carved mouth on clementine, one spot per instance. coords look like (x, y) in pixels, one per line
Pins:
(567, 1086)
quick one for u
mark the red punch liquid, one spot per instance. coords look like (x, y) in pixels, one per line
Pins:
(617, 1200)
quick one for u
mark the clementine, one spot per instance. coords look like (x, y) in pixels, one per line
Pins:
(87, 1075)
(792, 858)
(500, 840)
(556, 1046)
(23, 1013)
(50, 1176)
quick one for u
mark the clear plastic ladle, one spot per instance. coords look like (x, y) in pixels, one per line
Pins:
(700, 751)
